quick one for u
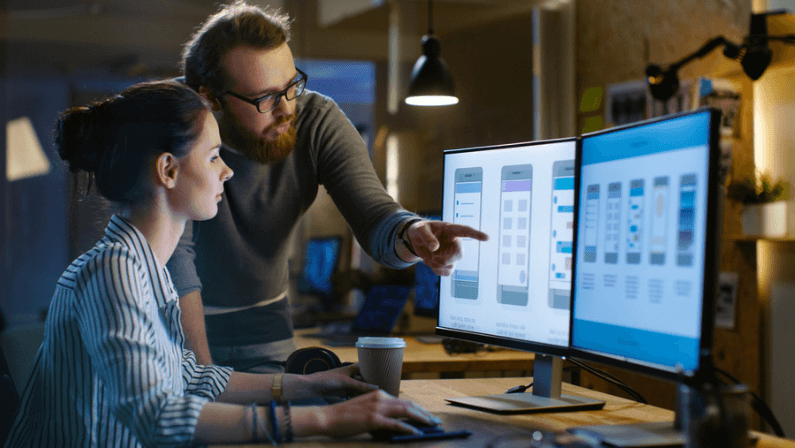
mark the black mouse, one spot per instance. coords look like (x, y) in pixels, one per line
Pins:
(387, 434)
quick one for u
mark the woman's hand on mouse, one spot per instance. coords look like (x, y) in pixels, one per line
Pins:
(371, 412)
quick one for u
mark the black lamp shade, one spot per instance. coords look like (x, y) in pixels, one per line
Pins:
(431, 83)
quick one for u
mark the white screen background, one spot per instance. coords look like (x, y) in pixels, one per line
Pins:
(536, 322)
(679, 312)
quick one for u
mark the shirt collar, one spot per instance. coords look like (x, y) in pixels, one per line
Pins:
(120, 230)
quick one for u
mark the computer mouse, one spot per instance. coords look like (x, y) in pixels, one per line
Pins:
(387, 434)
(427, 433)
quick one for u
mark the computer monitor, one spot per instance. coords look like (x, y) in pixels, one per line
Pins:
(513, 290)
(646, 246)
(321, 257)
(426, 284)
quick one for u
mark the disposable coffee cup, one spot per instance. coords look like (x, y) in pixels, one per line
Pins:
(381, 362)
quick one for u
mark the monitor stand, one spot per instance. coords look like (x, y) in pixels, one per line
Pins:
(638, 435)
(545, 397)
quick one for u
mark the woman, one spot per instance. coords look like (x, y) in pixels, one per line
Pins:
(112, 370)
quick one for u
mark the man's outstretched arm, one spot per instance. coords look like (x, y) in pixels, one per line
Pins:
(193, 326)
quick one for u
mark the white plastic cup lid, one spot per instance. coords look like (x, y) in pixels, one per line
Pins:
(372, 342)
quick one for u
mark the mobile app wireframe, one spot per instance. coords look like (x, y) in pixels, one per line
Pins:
(468, 192)
(591, 222)
(687, 218)
(613, 222)
(562, 227)
(513, 262)
(659, 220)
(635, 221)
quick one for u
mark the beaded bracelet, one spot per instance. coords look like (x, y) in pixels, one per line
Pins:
(274, 422)
(254, 434)
(288, 423)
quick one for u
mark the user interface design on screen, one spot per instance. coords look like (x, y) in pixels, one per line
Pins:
(517, 284)
(641, 242)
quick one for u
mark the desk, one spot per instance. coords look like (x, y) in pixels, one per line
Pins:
(423, 358)
(486, 426)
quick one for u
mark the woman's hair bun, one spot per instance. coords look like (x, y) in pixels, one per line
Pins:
(79, 139)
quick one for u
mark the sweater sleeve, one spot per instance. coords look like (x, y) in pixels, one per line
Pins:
(345, 169)
(120, 326)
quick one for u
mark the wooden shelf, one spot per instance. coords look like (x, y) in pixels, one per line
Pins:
(754, 239)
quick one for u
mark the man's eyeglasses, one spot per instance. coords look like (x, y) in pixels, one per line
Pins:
(269, 102)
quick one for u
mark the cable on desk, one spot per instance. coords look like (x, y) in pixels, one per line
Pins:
(759, 406)
(518, 389)
(609, 378)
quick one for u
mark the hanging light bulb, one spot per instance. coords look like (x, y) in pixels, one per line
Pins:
(431, 83)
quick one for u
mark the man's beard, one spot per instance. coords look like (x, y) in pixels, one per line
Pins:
(253, 146)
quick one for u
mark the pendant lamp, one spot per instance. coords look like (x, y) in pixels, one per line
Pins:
(431, 83)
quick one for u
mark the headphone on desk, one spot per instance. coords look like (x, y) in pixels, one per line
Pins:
(310, 360)
(303, 361)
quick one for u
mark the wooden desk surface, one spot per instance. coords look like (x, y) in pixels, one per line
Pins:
(487, 426)
(419, 357)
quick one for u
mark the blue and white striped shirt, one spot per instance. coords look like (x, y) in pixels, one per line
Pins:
(111, 370)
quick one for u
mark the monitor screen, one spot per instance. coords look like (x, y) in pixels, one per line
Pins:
(320, 262)
(426, 285)
(645, 262)
(512, 290)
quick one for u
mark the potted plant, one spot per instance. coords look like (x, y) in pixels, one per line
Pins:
(766, 212)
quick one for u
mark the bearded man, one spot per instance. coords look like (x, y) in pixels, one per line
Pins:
(282, 141)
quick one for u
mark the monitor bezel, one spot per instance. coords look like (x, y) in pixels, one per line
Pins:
(502, 341)
(299, 286)
(711, 257)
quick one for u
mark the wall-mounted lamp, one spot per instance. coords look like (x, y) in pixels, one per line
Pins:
(754, 55)
(25, 157)
(431, 83)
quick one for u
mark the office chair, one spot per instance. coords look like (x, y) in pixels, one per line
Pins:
(8, 411)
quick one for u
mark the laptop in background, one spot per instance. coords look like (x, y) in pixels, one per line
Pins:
(321, 257)
(380, 311)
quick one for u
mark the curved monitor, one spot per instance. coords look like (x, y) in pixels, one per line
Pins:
(513, 290)
(646, 245)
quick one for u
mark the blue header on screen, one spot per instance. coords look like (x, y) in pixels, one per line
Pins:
(682, 132)
(467, 187)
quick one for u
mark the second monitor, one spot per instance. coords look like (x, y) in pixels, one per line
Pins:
(514, 289)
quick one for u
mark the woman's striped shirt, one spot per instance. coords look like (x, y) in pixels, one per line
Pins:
(111, 370)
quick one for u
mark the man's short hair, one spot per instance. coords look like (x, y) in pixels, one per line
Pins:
(232, 26)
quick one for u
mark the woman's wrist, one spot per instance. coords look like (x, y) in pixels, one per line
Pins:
(309, 421)
(295, 387)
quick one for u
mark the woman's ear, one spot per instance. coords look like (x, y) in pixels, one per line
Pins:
(208, 95)
(167, 167)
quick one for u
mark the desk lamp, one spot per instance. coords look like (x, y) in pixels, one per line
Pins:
(754, 56)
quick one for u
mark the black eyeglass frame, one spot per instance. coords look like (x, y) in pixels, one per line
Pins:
(278, 95)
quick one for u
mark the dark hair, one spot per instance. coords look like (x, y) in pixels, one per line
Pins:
(232, 26)
(118, 138)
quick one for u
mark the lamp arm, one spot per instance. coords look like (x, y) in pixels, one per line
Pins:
(789, 38)
(703, 51)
